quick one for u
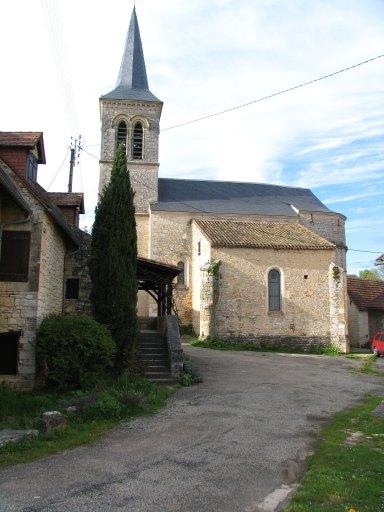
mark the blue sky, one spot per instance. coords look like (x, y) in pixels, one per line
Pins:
(204, 56)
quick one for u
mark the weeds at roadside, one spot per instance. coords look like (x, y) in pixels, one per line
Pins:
(113, 400)
(216, 344)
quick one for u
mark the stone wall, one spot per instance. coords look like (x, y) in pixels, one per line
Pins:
(24, 304)
(144, 172)
(76, 266)
(234, 304)
(51, 275)
(330, 226)
(357, 325)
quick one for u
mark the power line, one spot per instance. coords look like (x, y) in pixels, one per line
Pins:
(370, 252)
(278, 93)
(59, 169)
(206, 212)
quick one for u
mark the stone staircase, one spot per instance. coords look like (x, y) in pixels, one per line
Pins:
(153, 351)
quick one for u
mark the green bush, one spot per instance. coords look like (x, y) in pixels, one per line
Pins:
(185, 379)
(191, 369)
(72, 352)
(107, 406)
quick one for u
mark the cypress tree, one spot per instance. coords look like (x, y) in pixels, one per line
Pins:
(113, 262)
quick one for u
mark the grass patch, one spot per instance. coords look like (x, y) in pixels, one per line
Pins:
(343, 478)
(215, 344)
(117, 399)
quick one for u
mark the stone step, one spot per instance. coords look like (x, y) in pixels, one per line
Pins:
(168, 379)
(155, 358)
(151, 370)
(155, 349)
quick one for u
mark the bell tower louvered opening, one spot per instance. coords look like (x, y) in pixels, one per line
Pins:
(121, 137)
(137, 141)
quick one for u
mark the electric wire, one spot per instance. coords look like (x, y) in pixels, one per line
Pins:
(269, 96)
(211, 213)
(59, 169)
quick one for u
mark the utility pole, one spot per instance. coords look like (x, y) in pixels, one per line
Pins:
(75, 151)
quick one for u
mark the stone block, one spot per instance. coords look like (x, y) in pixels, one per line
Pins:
(52, 420)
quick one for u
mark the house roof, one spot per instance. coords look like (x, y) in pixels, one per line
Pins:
(179, 195)
(42, 197)
(13, 191)
(366, 293)
(24, 139)
(132, 82)
(68, 199)
(262, 235)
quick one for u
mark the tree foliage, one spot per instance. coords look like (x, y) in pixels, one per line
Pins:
(372, 273)
(113, 262)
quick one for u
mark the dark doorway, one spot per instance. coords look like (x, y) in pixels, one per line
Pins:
(9, 342)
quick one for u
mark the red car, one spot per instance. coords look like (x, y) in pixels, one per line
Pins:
(377, 344)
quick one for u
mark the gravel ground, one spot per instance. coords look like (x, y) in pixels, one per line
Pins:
(223, 445)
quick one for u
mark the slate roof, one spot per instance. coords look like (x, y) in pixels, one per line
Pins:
(178, 195)
(262, 235)
(132, 82)
(366, 293)
(25, 139)
(68, 199)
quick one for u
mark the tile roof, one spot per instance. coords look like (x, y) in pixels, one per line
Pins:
(68, 199)
(366, 293)
(179, 195)
(28, 139)
(25, 139)
(262, 235)
(42, 197)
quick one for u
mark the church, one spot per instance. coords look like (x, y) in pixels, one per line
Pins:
(259, 263)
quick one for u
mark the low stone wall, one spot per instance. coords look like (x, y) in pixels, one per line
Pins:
(302, 343)
(169, 326)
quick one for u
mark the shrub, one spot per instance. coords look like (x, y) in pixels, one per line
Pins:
(192, 370)
(73, 351)
(107, 406)
(185, 379)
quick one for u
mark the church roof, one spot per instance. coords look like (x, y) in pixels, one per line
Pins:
(132, 82)
(263, 235)
(217, 197)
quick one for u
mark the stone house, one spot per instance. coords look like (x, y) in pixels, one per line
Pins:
(365, 309)
(169, 213)
(36, 241)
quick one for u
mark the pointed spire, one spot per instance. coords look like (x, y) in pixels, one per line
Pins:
(132, 82)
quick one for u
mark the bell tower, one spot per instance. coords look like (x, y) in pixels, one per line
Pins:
(130, 115)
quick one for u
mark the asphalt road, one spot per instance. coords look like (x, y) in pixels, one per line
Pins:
(223, 445)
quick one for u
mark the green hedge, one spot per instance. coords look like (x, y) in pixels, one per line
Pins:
(72, 352)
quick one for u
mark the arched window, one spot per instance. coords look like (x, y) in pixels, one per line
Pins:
(181, 276)
(121, 137)
(274, 290)
(137, 141)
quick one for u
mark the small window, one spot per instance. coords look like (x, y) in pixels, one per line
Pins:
(181, 276)
(198, 248)
(137, 142)
(9, 342)
(14, 260)
(274, 292)
(72, 287)
(121, 137)
(32, 167)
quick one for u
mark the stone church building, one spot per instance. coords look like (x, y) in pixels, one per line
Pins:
(259, 262)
